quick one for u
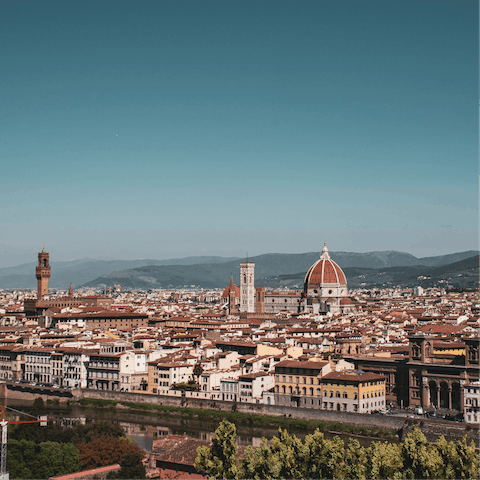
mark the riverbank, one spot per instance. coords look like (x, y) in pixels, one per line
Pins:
(242, 419)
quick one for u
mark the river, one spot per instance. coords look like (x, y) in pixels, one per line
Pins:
(146, 427)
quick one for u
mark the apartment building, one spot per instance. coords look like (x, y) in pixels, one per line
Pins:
(37, 365)
(162, 374)
(298, 383)
(351, 391)
(103, 371)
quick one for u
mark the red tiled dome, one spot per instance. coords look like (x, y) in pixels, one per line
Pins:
(346, 301)
(325, 270)
(229, 287)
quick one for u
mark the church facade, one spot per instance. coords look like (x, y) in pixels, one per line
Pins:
(325, 290)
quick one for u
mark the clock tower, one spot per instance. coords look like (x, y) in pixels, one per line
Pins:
(43, 274)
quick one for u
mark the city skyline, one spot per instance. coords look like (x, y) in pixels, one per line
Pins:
(167, 130)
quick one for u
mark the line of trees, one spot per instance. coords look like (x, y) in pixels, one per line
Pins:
(288, 457)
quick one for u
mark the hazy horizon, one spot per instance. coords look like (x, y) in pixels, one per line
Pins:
(110, 259)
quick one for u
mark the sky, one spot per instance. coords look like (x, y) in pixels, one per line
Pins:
(164, 129)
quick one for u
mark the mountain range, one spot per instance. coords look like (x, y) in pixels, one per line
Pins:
(269, 266)
(272, 270)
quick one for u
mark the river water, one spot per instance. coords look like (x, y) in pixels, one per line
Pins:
(147, 427)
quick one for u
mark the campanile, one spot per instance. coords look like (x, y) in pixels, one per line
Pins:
(247, 287)
(43, 274)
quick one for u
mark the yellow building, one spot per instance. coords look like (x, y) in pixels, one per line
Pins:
(298, 383)
(350, 391)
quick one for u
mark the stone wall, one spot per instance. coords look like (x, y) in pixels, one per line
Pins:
(434, 429)
(371, 421)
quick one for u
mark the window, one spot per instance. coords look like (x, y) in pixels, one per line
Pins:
(345, 395)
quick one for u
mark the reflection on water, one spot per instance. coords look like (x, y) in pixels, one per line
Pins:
(148, 427)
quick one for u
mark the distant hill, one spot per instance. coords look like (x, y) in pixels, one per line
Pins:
(82, 271)
(462, 274)
(381, 267)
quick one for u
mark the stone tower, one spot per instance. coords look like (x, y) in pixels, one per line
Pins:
(247, 287)
(43, 274)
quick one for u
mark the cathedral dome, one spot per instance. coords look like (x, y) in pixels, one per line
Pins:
(325, 271)
(232, 287)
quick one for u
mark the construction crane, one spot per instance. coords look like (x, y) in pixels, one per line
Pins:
(42, 420)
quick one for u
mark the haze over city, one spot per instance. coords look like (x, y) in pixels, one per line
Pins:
(169, 129)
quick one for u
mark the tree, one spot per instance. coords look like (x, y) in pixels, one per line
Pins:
(132, 468)
(459, 460)
(220, 461)
(354, 465)
(282, 459)
(323, 457)
(420, 459)
(26, 459)
(106, 451)
(383, 460)
(91, 431)
(197, 370)
(38, 407)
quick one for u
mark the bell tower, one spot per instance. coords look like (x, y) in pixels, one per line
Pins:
(247, 287)
(43, 274)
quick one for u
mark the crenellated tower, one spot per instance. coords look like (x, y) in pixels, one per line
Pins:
(42, 272)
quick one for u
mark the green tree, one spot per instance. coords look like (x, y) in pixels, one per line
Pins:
(459, 460)
(220, 461)
(26, 459)
(282, 459)
(132, 467)
(197, 371)
(322, 457)
(383, 460)
(91, 431)
(420, 459)
(355, 462)
(38, 407)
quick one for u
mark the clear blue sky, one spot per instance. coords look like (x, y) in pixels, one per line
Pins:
(160, 129)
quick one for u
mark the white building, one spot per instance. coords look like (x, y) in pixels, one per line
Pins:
(74, 365)
(37, 365)
(252, 386)
(471, 395)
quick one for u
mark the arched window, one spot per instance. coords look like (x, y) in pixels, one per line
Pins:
(345, 395)
(319, 392)
(337, 394)
(290, 390)
(311, 392)
(304, 391)
(283, 389)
